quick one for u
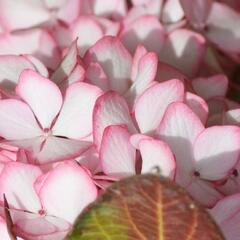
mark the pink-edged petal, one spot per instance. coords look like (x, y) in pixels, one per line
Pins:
(110, 109)
(222, 27)
(151, 105)
(3, 230)
(58, 149)
(42, 95)
(167, 72)
(156, 153)
(197, 11)
(179, 128)
(90, 160)
(115, 9)
(117, 155)
(110, 28)
(75, 118)
(42, 228)
(147, 70)
(145, 7)
(215, 86)
(67, 65)
(54, 3)
(28, 148)
(69, 11)
(96, 76)
(232, 117)
(39, 43)
(139, 2)
(172, 11)
(146, 30)
(10, 68)
(77, 75)
(204, 193)
(66, 191)
(92, 32)
(135, 139)
(28, 13)
(216, 151)
(34, 226)
(115, 61)
(48, 150)
(197, 105)
(17, 120)
(38, 65)
(227, 215)
(16, 182)
(184, 50)
(140, 52)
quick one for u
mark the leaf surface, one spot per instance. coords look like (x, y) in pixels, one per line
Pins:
(145, 207)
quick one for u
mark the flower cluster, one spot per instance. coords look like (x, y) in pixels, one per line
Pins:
(93, 91)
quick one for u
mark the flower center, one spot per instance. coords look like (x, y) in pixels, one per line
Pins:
(41, 212)
(235, 173)
(47, 132)
(196, 174)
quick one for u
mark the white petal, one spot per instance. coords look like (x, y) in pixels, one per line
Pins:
(42, 95)
(75, 118)
(117, 155)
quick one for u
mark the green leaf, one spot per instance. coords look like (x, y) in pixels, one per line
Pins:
(145, 207)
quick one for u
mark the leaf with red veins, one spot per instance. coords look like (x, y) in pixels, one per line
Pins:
(66, 191)
(10, 68)
(147, 69)
(216, 151)
(117, 155)
(156, 153)
(17, 120)
(145, 30)
(115, 61)
(214, 86)
(197, 105)
(145, 207)
(223, 27)
(184, 50)
(179, 129)
(227, 214)
(152, 104)
(197, 11)
(75, 118)
(42, 95)
(110, 109)
(67, 64)
(92, 32)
